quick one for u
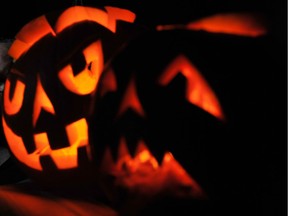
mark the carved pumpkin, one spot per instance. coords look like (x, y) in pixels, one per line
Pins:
(58, 58)
(159, 123)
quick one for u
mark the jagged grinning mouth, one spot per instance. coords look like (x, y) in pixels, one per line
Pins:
(142, 174)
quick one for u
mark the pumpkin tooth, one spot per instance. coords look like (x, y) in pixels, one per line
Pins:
(167, 157)
(123, 150)
(170, 162)
(143, 155)
(124, 155)
(107, 163)
(178, 175)
(141, 146)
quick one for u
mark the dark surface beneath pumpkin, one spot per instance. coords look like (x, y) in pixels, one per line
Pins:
(254, 185)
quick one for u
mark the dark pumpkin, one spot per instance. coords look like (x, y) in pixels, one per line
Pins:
(58, 58)
(167, 92)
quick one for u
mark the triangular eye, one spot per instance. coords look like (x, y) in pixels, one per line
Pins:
(240, 24)
(198, 91)
(86, 80)
(131, 100)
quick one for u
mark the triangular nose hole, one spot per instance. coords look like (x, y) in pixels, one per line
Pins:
(131, 100)
(41, 101)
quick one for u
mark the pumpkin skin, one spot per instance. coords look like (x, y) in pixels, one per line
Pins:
(58, 58)
(143, 95)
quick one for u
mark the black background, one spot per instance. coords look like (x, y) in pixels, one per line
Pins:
(270, 194)
(14, 14)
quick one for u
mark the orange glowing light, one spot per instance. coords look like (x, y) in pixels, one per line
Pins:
(107, 19)
(18, 149)
(143, 155)
(13, 106)
(29, 35)
(15, 201)
(123, 152)
(143, 174)
(198, 91)
(79, 13)
(175, 173)
(78, 133)
(115, 14)
(86, 81)
(83, 83)
(107, 163)
(39, 27)
(131, 100)
(231, 23)
(64, 158)
(134, 164)
(108, 82)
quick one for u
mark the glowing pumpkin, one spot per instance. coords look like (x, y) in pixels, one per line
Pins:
(58, 58)
(159, 123)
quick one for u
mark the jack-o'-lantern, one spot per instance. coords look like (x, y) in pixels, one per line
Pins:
(58, 58)
(159, 123)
